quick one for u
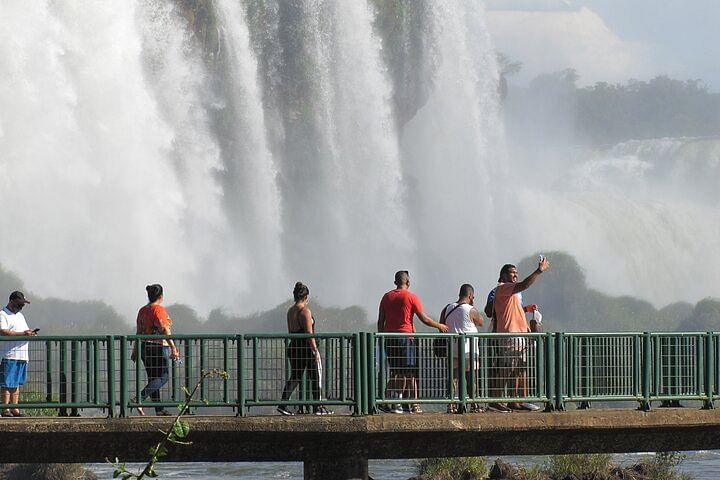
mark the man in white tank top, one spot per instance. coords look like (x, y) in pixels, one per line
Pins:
(463, 317)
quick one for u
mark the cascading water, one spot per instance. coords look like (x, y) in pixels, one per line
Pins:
(230, 150)
(88, 174)
(452, 155)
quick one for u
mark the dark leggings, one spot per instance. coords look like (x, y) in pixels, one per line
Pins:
(156, 359)
(301, 359)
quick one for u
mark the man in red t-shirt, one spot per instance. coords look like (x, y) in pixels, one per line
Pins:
(397, 308)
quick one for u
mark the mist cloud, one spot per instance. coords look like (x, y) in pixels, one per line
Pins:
(548, 40)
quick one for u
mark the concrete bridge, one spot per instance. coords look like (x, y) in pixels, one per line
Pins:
(339, 446)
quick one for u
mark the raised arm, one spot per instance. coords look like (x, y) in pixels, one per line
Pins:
(530, 279)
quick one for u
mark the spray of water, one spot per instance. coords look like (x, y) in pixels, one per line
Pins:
(295, 153)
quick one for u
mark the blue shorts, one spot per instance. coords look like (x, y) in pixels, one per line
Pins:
(13, 373)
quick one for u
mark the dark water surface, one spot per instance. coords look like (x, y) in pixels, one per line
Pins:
(703, 465)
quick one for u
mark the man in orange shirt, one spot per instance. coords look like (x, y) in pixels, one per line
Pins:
(509, 316)
(397, 309)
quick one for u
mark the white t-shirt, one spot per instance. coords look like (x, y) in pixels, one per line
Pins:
(15, 322)
(458, 321)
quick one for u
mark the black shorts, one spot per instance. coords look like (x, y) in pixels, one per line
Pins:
(403, 354)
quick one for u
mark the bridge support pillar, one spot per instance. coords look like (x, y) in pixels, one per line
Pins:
(354, 468)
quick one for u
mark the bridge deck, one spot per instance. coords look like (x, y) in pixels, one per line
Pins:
(307, 438)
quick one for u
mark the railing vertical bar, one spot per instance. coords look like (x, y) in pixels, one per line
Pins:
(241, 380)
(124, 376)
(110, 356)
(96, 371)
(48, 371)
(226, 368)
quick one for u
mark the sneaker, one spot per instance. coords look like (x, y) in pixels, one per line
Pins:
(498, 407)
(321, 410)
(163, 413)
(396, 408)
(283, 410)
(451, 408)
(383, 408)
(415, 408)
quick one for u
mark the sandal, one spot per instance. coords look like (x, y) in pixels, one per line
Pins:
(451, 409)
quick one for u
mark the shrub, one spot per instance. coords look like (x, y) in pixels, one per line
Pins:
(454, 468)
(558, 466)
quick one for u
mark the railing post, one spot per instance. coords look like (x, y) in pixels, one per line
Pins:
(559, 370)
(647, 369)
(370, 372)
(379, 364)
(550, 371)
(110, 356)
(462, 383)
(48, 371)
(709, 370)
(241, 380)
(74, 376)
(63, 377)
(359, 362)
(124, 376)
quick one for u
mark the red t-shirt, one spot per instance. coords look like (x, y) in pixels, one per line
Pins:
(399, 306)
(152, 320)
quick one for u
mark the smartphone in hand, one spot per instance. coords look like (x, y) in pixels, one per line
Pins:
(36, 330)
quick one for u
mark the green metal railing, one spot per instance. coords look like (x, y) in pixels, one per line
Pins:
(66, 374)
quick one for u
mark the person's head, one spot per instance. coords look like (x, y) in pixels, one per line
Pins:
(300, 292)
(154, 292)
(508, 273)
(467, 292)
(402, 279)
(17, 301)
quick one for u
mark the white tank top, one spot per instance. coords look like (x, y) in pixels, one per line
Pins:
(459, 320)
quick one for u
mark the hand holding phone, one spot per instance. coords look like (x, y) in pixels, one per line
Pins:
(36, 330)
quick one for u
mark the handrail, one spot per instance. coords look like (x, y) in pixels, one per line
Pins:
(67, 373)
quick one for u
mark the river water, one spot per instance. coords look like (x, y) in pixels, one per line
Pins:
(703, 465)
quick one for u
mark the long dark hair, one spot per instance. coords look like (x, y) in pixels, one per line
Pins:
(154, 292)
(301, 291)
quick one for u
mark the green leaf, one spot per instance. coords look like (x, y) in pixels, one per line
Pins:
(117, 473)
(181, 429)
(152, 473)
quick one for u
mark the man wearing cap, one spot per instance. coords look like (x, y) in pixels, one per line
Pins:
(14, 354)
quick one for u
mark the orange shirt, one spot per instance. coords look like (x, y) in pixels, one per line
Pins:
(509, 313)
(399, 306)
(152, 320)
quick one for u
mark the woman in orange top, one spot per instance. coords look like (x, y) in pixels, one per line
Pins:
(153, 319)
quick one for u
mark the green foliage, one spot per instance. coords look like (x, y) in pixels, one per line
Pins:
(176, 434)
(663, 466)
(37, 397)
(567, 304)
(453, 468)
(662, 107)
(704, 317)
(596, 464)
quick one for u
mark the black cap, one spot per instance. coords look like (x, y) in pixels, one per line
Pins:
(18, 296)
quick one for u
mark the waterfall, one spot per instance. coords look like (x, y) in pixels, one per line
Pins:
(88, 174)
(228, 149)
(453, 156)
